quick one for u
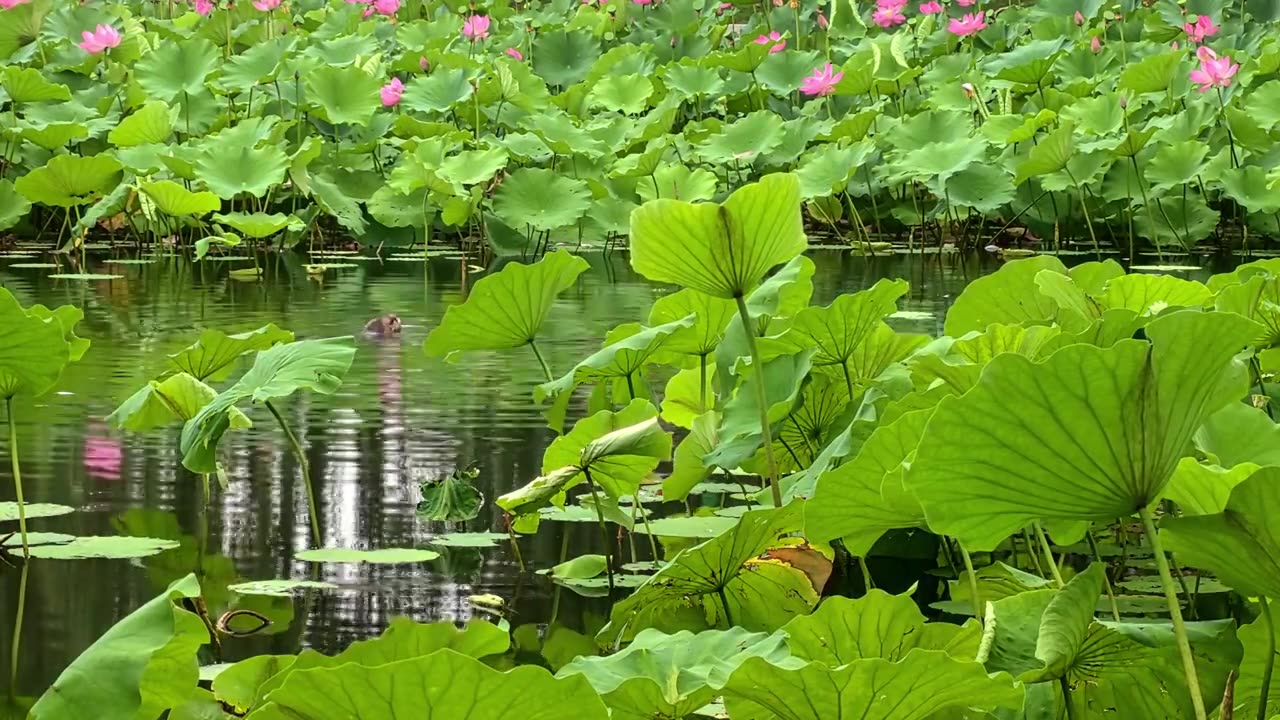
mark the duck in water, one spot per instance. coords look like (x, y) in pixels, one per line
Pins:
(383, 326)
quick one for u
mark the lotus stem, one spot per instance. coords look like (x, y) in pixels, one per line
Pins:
(1031, 551)
(724, 603)
(1175, 613)
(1106, 579)
(545, 369)
(17, 475)
(1048, 555)
(866, 574)
(1066, 697)
(14, 653)
(604, 530)
(702, 384)
(306, 472)
(1270, 663)
(973, 582)
(762, 397)
(644, 518)
(515, 548)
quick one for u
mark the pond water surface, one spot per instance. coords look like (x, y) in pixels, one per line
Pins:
(399, 417)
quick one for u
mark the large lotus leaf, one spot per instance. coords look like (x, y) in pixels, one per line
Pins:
(744, 140)
(1259, 642)
(33, 349)
(142, 666)
(721, 583)
(1113, 665)
(55, 135)
(711, 316)
(317, 365)
(1256, 298)
(821, 414)
(1009, 295)
(836, 330)
(864, 498)
(334, 201)
(159, 403)
(688, 469)
(723, 250)
(740, 433)
(260, 63)
(67, 316)
(348, 95)
(70, 180)
(958, 363)
(213, 356)
(506, 309)
(671, 676)
(1095, 433)
(1174, 219)
(1153, 73)
(177, 69)
(923, 684)
(174, 199)
(782, 295)
(691, 79)
(1176, 164)
(401, 691)
(451, 498)
(678, 182)
(150, 124)
(1239, 434)
(28, 85)
(473, 166)
(542, 199)
(876, 625)
(1150, 294)
(1201, 489)
(245, 685)
(563, 57)
(1240, 544)
(1048, 156)
(627, 94)
(258, 225)
(13, 206)
(230, 171)
(827, 169)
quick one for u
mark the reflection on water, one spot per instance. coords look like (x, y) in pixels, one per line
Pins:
(398, 418)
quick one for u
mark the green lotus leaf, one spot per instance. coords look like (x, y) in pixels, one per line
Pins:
(160, 403)
(279, 371)
(711, 316)
(626, 94)
(995, 582)
(28, 85)
(347, 95)
(107, 547)
(55, 135)
(379, 557)
(278, 588)
(827, 169)
(231, 171)
(246, 684)
(1201, 489)
(1063, 452)
(1151, 294)
(782, 295)
(1011, 129)
(561, 134)
(9, 510)
(923, 684)
(338, 204)
(1249, 186)
(723, 250)
(213, 356)
(1153, 73)
(470, 167)
(563, 57)
(721, 583)
(393, 209)
(438, 92)
(1176, 220)
(690, 79)
(695, 526)
(541, 199)
(661, 675)
(688, 469)
(744, 140)
(958, 363)
(13, 206)
(740, 433)
(258, 225)
(173, 199)
(150, 124)
(866, 497)
(1176, 164)
(783, 73)
(1049, 155)
(835, 331)
(398, 690)
(260, 63)
(1259, 642)
(876, 625)
(450, 498)
(177, 69)
(506, 309)
(1009, 295)
(141, 667)
(677, 182)
(33, 349)
(471, 539)
(582, 567)
(70, 180)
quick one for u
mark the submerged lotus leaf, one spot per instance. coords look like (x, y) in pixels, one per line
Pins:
(173, 199)
(317, 365)
(695, 526)
(723, 250)
(213, 356)
(160, 402)
(1240, 544)
(661, 675)
(399, 690)
(177, 69)
(722, 582)
(348, 95)
(142, 666)
(506, 309)
(278, 588)
(451, 498)
(383, 556)
(109, 547)
(541, 199)
(70, 180)
(9, 510)
(470, 539)
(866, 497)
(1067, 450)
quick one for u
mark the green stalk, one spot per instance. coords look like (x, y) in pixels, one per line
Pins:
(702, 383)
(306, 472)
(17, 475)
(762, 397)
(1175, 613)
(973, 583)
(866, 574)
(1048, 555)
(1271, 657)
(545, 369)
(604, 530)
(17, 639)
(1106, 579)
(1066, 698)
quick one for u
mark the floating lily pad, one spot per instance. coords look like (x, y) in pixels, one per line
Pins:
(85, 276)
(130, 261)
(705, 488)
(599, 586)
(733, 511)
(688, 527)
(279, 588)
(32, 266)
(644, 566)
(913, 315)
(388, 555)
(226, 258)
(103, 547)
(1127, 604)
(13, 543)
(568, 513)
(1151, 585)
(9, 510)
(468, 539)
(1164, 268)
(321, 267)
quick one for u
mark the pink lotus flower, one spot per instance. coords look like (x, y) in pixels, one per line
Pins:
(1201, 28)
(203, 7)
(970, 24)
(476, 27)
(1079, 18)
(391, 92)
(822, 82)
(823, 24)
(931, 8)
(386, 7)
(643, 2)
(423, 63)
(774, 37)
(1095, 45)
(965, 3)
(1213, 71)
(100, 40)
(266, 5)
(11, 4)
(512, 52)
(887, 17)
